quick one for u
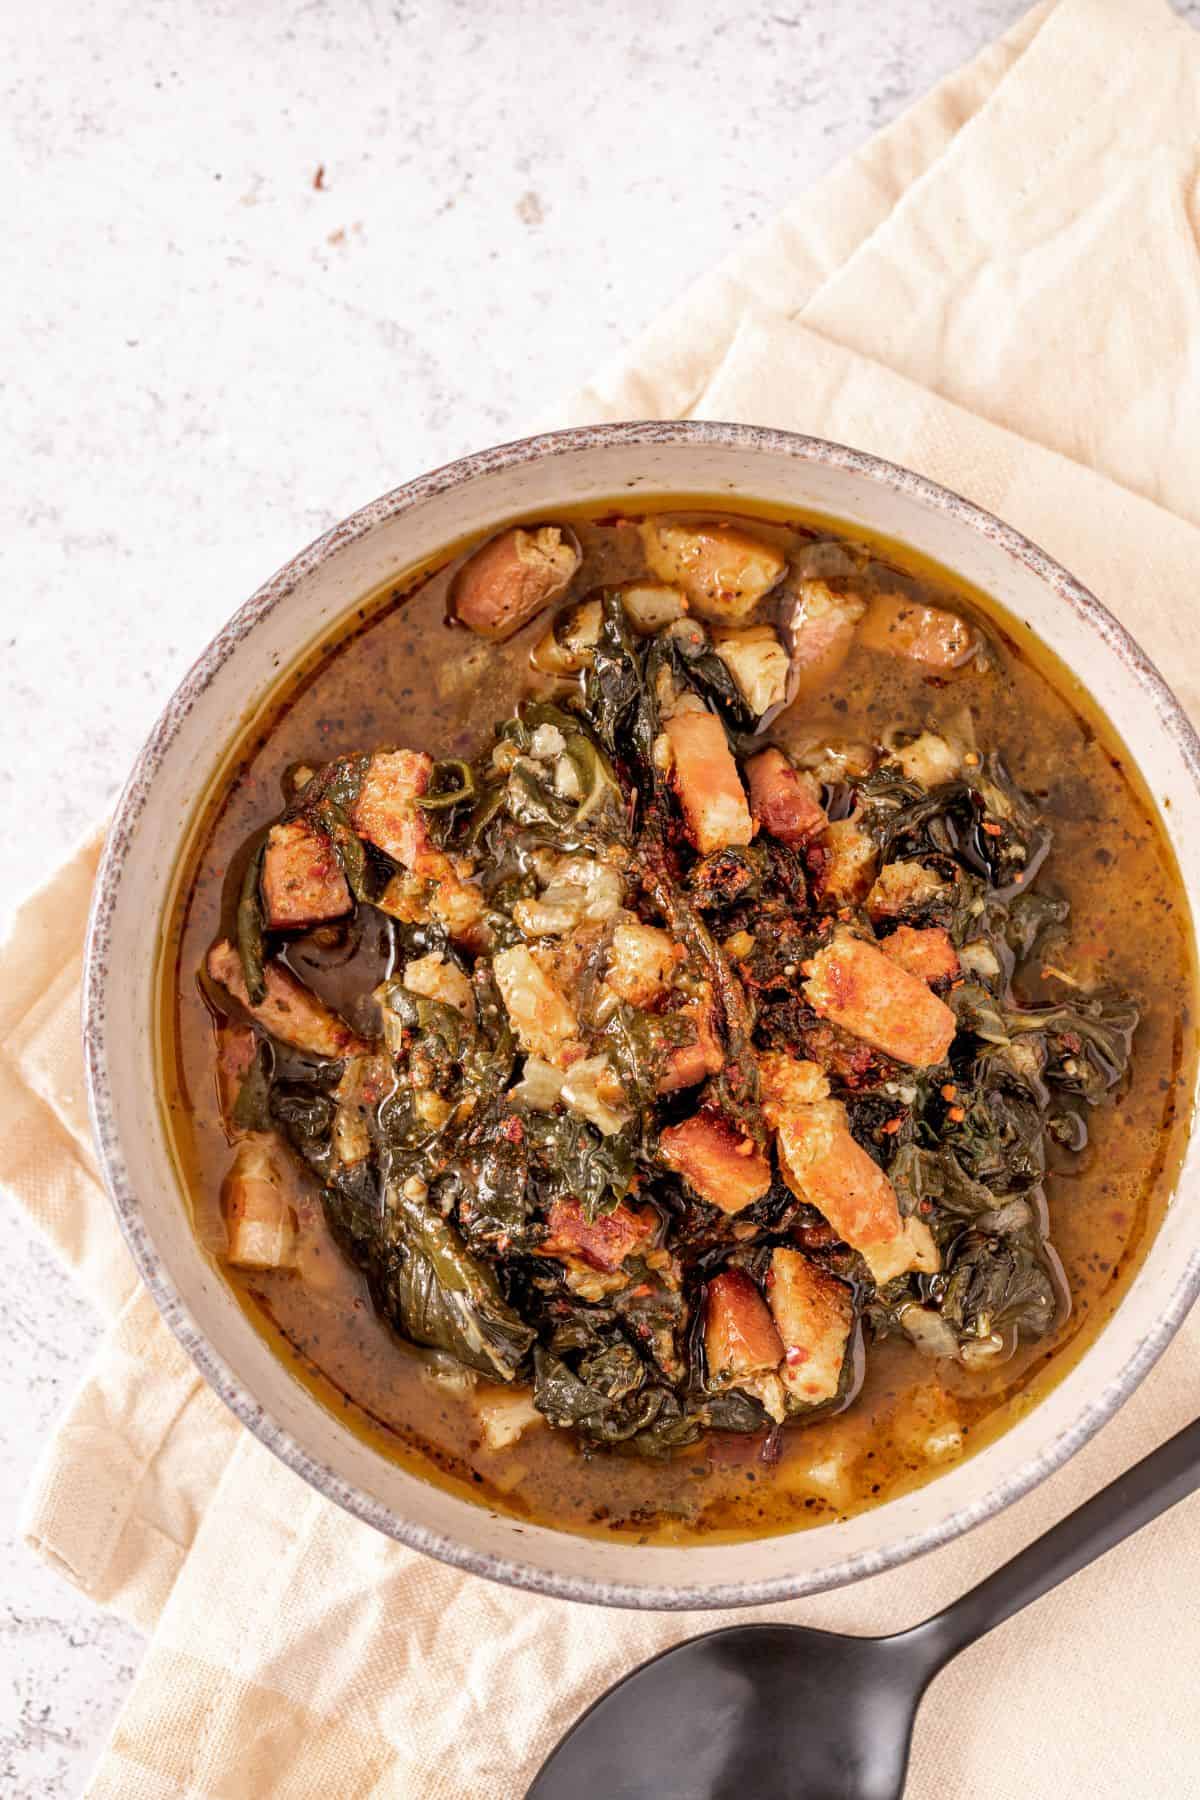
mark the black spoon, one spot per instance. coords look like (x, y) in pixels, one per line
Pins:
(778, 1712)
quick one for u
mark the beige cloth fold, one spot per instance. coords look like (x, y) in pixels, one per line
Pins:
(1001, 291)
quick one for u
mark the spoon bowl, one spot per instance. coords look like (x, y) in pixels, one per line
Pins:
(754, 1710)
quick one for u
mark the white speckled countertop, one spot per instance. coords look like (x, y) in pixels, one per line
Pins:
(260, 264)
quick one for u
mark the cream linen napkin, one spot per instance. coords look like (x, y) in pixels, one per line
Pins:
(1001, 291)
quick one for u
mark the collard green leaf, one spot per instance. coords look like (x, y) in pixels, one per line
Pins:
(451, 783)
(694, 664)
(250, 928)
(573, 1161)
(252, 1108)
(435, 1292)
(998, 1284)
(617, 700)
(641, 1415)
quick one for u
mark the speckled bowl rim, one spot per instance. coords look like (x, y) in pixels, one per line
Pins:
(100, 1054)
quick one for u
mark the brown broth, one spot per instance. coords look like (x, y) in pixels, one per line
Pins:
(399, 673)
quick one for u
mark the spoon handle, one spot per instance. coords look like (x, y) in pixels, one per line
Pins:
(1168, 1474)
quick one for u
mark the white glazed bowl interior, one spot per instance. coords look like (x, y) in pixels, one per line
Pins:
(299, 607)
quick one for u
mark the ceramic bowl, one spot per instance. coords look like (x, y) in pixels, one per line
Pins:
(241, 666)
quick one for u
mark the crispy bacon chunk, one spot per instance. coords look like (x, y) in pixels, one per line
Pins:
(707, 782)
(386, 811)
(723, 571)
(871, 996)
(256, 1199)
(758, 663)
(814, 1314)
(602, 1243)
(922, 634)
(902, 887)
(687, 1064)
(513, 578)
(783, 800)
(912, 1248)
(820, 1159)
(850, 863)
(718, 1162)
(927, 954)
(289, 1010)
(820, 625)
(740, 1337)
(302, 880)
(826, 1166)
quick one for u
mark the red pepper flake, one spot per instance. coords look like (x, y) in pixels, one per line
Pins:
(796, 1355)
(924, 1206)
(949, 1092)
(993, 830)
(512, 1129)
(892, 1126)
(956, 1114)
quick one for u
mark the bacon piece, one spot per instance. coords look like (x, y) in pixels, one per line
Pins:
(604, 1242)
(687, 1064)
(869, 995)
(451, 899)
(706, 780)
(289, 1011)
(820, 626)
(260, 1218)
(851, 860)
(716, 1160)
(758, 663)
(921, 634)
(504, 1413)
(740, 1337)
(302, 880)
(814, 1314)
(723, 571)
(512, 578)
(782, 800)
(927, 954)
(787, 1083)
(903, 887)
(912, 1248)
(825, 1165)
(819, 1158)
(386, 810)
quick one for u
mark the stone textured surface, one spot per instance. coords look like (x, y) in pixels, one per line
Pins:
(260, 265)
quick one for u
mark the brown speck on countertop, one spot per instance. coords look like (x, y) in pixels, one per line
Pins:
(318, 180)
(529, 208)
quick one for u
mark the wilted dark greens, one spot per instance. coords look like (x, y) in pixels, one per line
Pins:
(503, 1175)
